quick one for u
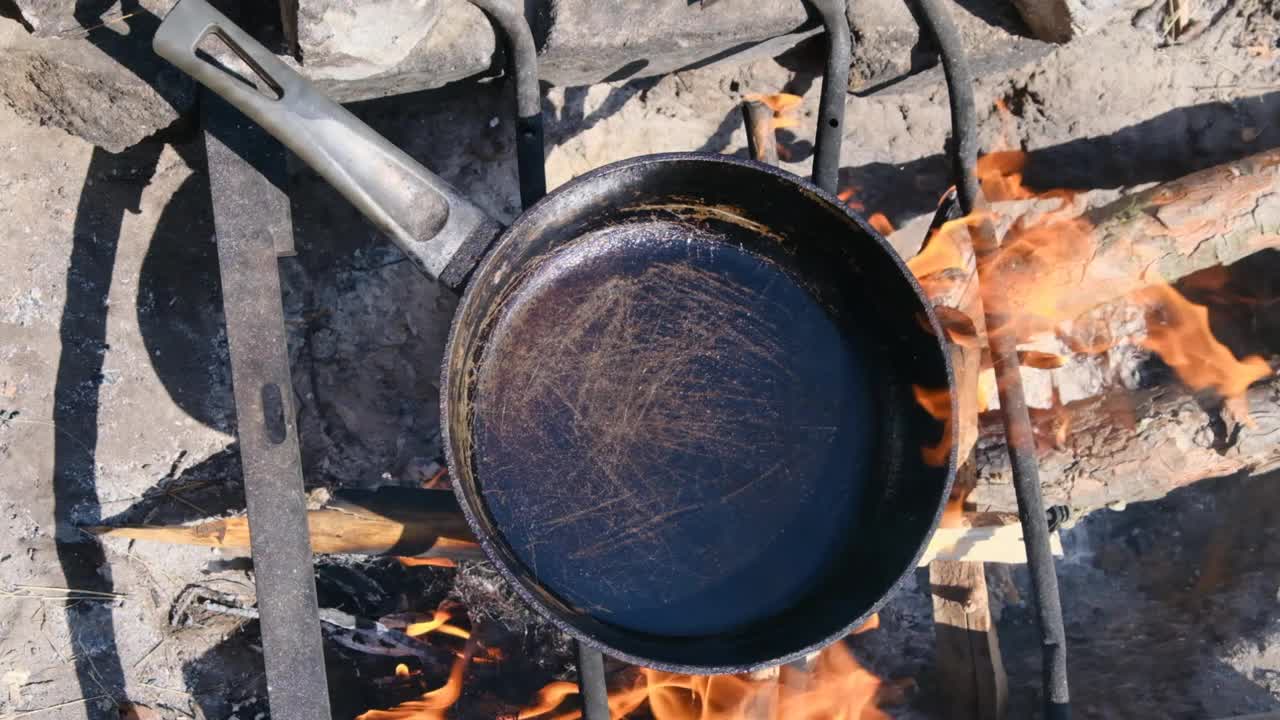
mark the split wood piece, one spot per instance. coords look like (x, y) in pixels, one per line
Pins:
(1212, 217)
(993, 543)
(762, 143)
(1133, 446)
(763, 703)
(392, 521)
(970, 668)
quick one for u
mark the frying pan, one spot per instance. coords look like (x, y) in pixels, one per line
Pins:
(677, 403)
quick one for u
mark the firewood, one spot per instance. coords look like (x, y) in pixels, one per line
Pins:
(1064, 266)
(392, 521)
(1134, 446)
(1209, 218)
(761, 141)
(997, 544)
(1212, 217)
(970, 668)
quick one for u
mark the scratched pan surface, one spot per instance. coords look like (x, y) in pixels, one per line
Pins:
(679, 413)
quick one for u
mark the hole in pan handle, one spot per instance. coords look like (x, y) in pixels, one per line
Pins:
(442, 232)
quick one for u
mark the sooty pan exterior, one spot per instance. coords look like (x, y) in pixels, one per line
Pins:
(679, 413)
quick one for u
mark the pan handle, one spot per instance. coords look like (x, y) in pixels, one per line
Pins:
(442, 232)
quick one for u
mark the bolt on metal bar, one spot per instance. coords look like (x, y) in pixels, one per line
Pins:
(1004, 354)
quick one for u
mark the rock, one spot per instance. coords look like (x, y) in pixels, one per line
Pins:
(363, 37)
(587, 41)
(1059, 21)
(106, 87)
(890, 56)
(59, 18)
(360, 50)
(344, 48)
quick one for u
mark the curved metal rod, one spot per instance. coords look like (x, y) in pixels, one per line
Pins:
(1004, 356)
(522, 64)
(835, 85)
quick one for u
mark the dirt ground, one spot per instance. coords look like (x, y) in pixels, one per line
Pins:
(115, 393)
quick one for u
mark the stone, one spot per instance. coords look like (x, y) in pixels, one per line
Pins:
(104, 86)
(343, 48)
(890, 56)
(62, 18)
(1060, 21)
(362, 50)
(587, 41)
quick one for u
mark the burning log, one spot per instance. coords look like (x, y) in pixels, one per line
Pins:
(1134, 446)
(1056, 267)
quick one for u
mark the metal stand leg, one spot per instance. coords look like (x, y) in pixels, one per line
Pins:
(591, 685)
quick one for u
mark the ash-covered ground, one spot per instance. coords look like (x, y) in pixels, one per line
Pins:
(115, 400)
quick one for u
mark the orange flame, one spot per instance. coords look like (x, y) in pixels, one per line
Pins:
(881, 223)
(1178, 330)
(402, 670)
(937, 403)
(872, 623)
(436, 624)
(432, 705)
(427, 561)
(839, 688)
(1037, 284)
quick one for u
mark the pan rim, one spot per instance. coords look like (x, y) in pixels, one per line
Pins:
(500, 557)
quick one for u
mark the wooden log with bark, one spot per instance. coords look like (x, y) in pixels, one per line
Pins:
(1056, 265)
(1133, 446)
(1125, 446)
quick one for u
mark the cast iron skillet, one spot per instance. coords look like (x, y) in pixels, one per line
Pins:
(677, 401)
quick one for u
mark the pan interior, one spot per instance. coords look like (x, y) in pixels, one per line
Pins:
(672, 433)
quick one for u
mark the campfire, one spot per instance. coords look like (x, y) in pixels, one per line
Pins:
(1049, 246)
(728, 435)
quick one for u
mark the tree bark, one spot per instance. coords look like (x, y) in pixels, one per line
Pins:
(1055, 269)
(1133, 446)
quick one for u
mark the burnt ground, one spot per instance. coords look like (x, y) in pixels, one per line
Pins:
(115, 396)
